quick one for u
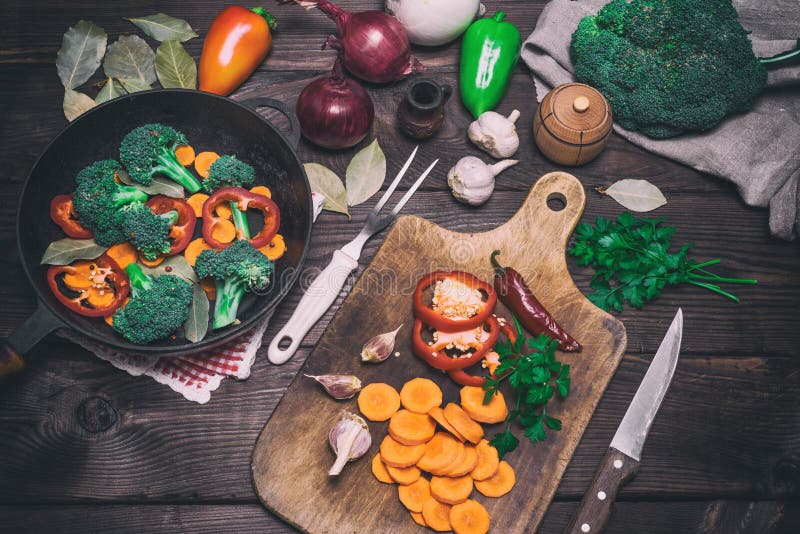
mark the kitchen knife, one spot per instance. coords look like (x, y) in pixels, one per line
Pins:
(621, 462)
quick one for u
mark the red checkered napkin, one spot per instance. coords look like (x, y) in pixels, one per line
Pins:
(194, 376)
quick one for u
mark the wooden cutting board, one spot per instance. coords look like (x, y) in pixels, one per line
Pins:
(292, 457)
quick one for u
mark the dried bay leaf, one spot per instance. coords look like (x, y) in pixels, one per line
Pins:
(110, 90)
(134, 86)
(81, 52)
(365, 174)
(162, 27)
(159, 186)
(196, 326)
(636, 195)
(325, 182)
(130, 58)
(65, 251)
(76, 104)
(175, 67)
(176, 265)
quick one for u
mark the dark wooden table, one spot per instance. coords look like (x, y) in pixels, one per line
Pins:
(722, 456)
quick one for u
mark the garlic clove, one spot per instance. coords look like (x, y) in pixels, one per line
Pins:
(379, 347)
(350, 440)
(339, 386)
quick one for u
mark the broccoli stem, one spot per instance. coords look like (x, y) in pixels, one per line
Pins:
(229, 295)
(139, 281)
(240, 222)
(169, 166)
(127, 194)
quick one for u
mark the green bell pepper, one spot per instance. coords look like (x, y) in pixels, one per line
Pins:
(489, 53)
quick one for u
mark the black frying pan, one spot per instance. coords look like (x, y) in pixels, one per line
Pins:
(210, 122)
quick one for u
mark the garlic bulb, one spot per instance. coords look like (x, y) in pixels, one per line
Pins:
(350, 440)
(495, 134)
(472, 181)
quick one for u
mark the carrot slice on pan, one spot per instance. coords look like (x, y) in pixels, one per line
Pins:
(196, 201)
(152, 263)
(439, 454)
(469, 517)
(411, 428)
(467, 463)
(399, 455)
(451, 490)
(418, 519)
(223, 211)
(488, 460)
(472, 402)
(193, 250)
(438, 415)
(420, 395)
(413, 495)
(123, 253)
(223, 230)
(275, 248)
(185, 154)
(436, 515)
(378, 401)
(379, 470)
(203, 161)
(498, 484)
(404, 475)
(463, 423)
(262, 190)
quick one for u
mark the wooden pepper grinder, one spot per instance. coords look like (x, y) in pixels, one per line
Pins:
(572, 124)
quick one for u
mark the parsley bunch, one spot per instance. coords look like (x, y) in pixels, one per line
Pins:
(532, 371)
(632, 262)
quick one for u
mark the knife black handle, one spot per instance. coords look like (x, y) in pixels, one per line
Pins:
(615, 471)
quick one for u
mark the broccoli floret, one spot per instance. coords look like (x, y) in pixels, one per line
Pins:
(235, 270)
(98, 200)
(227, 171)
(150, 150)
(146, 231)
(157, 308)
(668, 66)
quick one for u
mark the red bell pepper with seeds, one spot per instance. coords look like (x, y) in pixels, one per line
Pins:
(93, 288)
(440, 320)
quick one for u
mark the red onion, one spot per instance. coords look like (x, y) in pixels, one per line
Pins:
(335, 111)
(375, 45)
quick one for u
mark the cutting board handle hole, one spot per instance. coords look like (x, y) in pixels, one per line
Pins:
(556, 201)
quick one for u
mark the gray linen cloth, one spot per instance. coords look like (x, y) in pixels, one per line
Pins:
(759, 150)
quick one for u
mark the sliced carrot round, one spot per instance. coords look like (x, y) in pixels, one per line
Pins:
(223, 211)
(466, 464)
(472, 402)
(193, 250)
(378, 401)
(411, 428)
(488, 460)
(223, 230)
(418, 519)
(498, 484)
(152, 263)
(275, 248)
(262, 190)
(123, 253)
(404, 475)
(380, 471)
(203, 161)
(463, 423)
(439, 454)
(185, 154)
(469, 517)
(196, 201)
(413, 495)
(451, 490)
(436, 515)
(420, 395)
(399, 455)
(438, 415)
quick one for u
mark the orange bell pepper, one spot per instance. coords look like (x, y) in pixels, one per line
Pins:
(237, 42)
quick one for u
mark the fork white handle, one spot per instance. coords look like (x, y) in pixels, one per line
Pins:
(318, 298)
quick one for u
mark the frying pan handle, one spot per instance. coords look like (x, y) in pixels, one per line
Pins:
(255, 103)
(25, 337)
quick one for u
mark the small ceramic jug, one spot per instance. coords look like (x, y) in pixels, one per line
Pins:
(421, 112)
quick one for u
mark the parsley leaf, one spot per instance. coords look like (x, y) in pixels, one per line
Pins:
(632, 262)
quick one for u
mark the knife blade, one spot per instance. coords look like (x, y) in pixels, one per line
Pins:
(621, 462)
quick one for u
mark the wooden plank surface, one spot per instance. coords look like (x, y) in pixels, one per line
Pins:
(728, 429)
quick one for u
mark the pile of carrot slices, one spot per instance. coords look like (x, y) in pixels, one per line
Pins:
(447, 443)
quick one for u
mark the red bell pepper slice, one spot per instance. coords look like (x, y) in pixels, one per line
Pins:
(62, 211)
(182, 231)
(443, 323)
(460, 376)
(244, 200)
(77, 285)
(436, 355)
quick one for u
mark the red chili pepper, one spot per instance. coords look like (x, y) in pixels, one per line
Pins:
(62, 211)
(236, 43)
(244, 199)
(442, 322)
(436, 355)
(534, 317)
(94, 288)
(182, 231)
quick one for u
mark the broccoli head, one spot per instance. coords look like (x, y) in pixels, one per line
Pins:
(668, 66)
(149, 150)
(227, 171)
(98, 200)
(158, 306)
(235, 270)
(146, 231)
